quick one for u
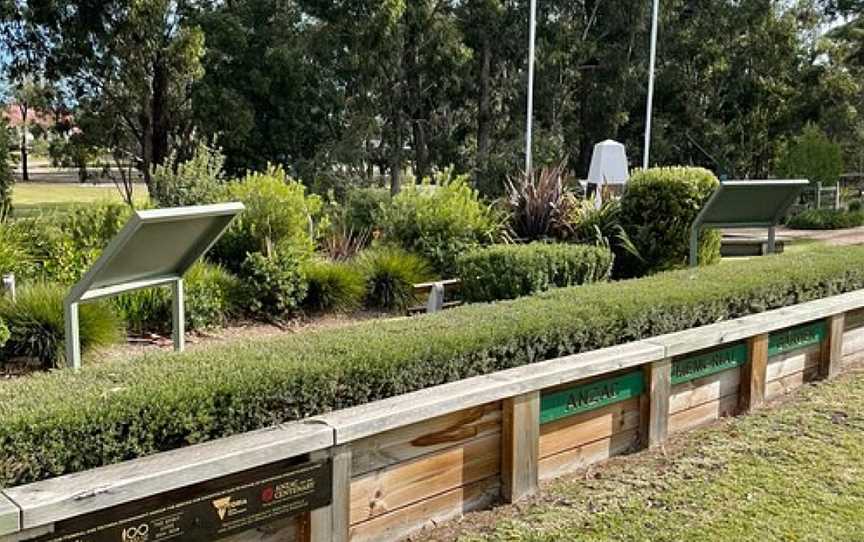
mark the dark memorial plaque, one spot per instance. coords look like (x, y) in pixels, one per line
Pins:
(583, 398)
(207, 511)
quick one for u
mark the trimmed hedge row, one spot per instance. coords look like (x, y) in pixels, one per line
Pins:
(826, 219)
(61, 422)
(510, 271)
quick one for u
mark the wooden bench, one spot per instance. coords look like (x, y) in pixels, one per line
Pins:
(435, 294)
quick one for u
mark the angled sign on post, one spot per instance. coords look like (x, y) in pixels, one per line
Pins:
(745, 204)
(156, 247)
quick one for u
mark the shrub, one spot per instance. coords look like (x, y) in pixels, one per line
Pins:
(333, 285)
(273, 287)
(7, 179)
(826, 219)
(362, 207)
(212, 297)
(123, 410)
(536, 202)
(811, 156)
(855, 206)
(439, 221)
(657, 210)
(4, 336)
(278, 212)
(510, 271)
(582, 222)
(14, 256)
(63, 245)
(36, 324)
(192, 182)
(390, 275)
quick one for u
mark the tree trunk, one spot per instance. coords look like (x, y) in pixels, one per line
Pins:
(158, 111)
(484, 106)
(25, 175)
(396, 154)
(25, 172)
(419, 116)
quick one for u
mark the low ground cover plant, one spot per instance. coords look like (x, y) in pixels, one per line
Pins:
(333, 285)
(826, 219)
(123, 410)
(510, 271)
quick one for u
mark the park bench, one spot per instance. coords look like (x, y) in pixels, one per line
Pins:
(435, 293)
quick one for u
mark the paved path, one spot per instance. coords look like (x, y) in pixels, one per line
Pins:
(852, 236)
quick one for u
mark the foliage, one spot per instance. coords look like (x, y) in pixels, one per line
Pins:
(273, 287)
(826, 219)
(813, 156)
(855, 206)
(4, 337)
(390, 274)
(333, 285)
(35, 321)
(582, 222)
(124, 410)
(341, 245)
(63, 245)
(510, 271)
(363, 206)
(212, 298)
(278, 212)
(657, 210)
(439, 221)
(196, 181)
(536, 202)
(14, 255)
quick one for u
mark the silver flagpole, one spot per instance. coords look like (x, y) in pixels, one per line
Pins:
(653, 59)
(530, 113)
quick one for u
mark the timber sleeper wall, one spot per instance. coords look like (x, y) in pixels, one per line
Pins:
(395, 466)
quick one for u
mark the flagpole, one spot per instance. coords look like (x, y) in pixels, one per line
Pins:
(649, 107)
(530, 113)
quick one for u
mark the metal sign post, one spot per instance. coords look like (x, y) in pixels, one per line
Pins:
(155, 248)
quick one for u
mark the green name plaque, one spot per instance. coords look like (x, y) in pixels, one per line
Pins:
(693, 367)
(570, 401)
(796, 338)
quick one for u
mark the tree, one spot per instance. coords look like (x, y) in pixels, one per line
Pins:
(30, 95)
(6, 177)
(131, 64)
(812, 156)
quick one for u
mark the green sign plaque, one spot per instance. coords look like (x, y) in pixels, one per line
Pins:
(796, 338)
(570, 401)
(693, 367)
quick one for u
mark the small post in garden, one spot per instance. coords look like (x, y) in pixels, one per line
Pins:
(8, 285)
(178, 316)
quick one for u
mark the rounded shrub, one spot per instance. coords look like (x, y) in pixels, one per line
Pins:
(657, 210)
(439, 221)
(274, 286)
(36, 324)
(362, 207)
(826, 219)
(390, 274)
(510, 271)
(333, 285)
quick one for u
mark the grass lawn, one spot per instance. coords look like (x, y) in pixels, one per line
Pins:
(34, 197)
(794, 472)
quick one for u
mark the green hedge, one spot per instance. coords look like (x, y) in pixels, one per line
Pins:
(61, 422)
(826, 219)
(510, 271)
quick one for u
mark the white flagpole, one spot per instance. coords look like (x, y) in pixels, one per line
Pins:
(530, 114)
(653, 59)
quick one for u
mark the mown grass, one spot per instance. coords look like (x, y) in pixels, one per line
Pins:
(34, 197)
(790, 473)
